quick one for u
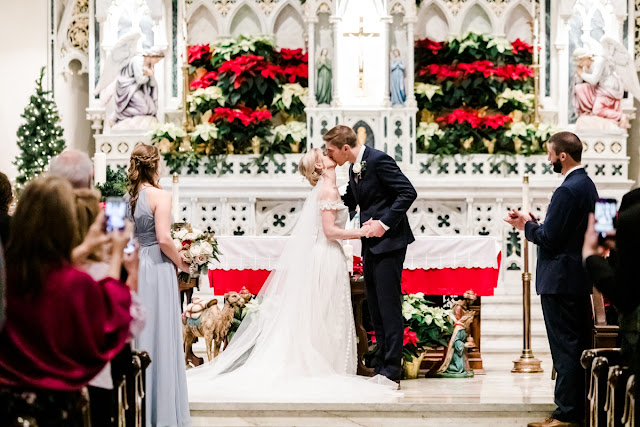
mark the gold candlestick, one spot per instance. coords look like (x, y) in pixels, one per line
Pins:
(527, 363)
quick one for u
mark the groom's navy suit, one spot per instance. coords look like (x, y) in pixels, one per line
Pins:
(385, 194)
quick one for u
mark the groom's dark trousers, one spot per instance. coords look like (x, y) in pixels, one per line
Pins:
(383, 193)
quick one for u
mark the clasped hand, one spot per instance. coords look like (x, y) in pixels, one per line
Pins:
(375, 228)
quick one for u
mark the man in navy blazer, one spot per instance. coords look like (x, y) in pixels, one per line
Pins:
(384, 194)
(561, 280)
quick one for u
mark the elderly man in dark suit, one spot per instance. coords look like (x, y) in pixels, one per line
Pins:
(561, 281)
(384, 194)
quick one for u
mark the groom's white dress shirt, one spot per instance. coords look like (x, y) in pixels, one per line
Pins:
(355, 178)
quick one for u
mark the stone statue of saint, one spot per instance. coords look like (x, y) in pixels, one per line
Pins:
(127, 86)
(398, 92)
(455, 363)
(137, 88)
(323, 81)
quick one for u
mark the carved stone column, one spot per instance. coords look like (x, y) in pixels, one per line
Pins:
(311, 50)
(386, 99)
(335, 97)
(411, 98)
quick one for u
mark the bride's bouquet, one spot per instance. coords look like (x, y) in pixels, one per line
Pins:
(196, 247)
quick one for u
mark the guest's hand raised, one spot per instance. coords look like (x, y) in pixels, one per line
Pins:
(95, 237)
(120, 238)
(131, 263)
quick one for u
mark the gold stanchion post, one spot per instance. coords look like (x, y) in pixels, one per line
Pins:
(527, 363)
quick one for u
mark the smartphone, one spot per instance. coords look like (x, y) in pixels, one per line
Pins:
(605, 214)
(115, 213)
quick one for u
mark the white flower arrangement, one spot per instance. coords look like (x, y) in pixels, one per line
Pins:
(204, 97)
(428, 90)
(501, 43)
(195, 247)
(427, 131)
(520, 129)
(205, 132)
(515, 95)
(168, 130)
(291, 91)
(297, 131)
(228, 47)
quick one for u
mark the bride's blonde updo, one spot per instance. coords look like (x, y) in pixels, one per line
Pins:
(143, 169)
(308, 166)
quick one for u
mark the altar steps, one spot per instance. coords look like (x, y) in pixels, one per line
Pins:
(496, 398)
(501, 325)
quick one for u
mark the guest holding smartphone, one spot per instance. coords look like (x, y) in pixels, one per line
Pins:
(150, 210)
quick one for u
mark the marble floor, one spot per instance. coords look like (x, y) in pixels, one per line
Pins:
(496, 398)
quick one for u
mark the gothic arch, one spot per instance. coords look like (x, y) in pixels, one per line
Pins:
(470, 11)
(251, 14)
(426, 15)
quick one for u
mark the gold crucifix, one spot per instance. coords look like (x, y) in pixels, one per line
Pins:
(360, 34)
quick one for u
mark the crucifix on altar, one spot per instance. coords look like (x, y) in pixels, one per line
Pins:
(362, 56)
(360, 34)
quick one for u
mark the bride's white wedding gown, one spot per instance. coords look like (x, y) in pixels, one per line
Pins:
(300, 344)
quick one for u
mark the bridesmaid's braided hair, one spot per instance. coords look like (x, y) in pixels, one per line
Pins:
(143, 169)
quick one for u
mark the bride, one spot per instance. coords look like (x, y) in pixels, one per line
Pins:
(299, 344)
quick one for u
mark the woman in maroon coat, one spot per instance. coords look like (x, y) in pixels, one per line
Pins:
(61, 327)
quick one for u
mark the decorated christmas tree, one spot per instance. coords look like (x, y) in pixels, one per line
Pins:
(40, 137)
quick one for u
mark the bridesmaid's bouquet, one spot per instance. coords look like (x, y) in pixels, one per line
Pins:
(196, 247)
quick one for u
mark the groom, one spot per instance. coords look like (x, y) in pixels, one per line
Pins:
(384, 195)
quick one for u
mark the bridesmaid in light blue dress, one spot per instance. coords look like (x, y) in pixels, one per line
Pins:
(167, 402)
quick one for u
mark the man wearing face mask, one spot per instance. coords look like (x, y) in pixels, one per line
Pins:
(561, 281)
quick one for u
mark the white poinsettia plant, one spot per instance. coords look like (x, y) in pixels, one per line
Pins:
(296, 130)
(427, 130)
(204, 132)
(515, 96)
(202, 100)
(291, 91)
(229, 47)
(169, 131)
(433, 325)
(196, 247)
(427, 90)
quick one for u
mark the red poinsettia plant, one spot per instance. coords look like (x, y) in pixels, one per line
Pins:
(199, 56)
(238, 125)
(293, 65)
(410, 345)
(485, 68)
(250, 78)
(357, 266)
(474, 119)
(519, 46)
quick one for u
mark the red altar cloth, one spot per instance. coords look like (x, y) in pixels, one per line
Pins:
(445, 281)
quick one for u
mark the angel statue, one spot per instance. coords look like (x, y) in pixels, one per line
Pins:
(128, 78)
(456, 363)
(604, 71)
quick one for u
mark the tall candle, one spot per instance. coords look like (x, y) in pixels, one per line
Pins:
(348, 253)
(100, 168)
(175, 198)
(525, 195)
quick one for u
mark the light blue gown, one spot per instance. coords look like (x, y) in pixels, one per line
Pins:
(166, 391)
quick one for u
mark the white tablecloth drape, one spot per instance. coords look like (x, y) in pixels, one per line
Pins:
(427, 252)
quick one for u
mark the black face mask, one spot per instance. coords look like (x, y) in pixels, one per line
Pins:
(557, 166)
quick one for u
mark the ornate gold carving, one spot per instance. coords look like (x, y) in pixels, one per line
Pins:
(123, 148)
(616, 147)
(106, 148)
(599, 147)
(78, 34)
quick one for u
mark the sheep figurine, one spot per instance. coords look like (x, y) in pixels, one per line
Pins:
(209, 322)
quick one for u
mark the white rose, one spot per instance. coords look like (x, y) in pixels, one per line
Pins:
(206, 248)
(195, 250)
(178, 244)
(185, 256)
(190, 236)
(180, 233)
(196, 232)
(202, 259)
(357, 168)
